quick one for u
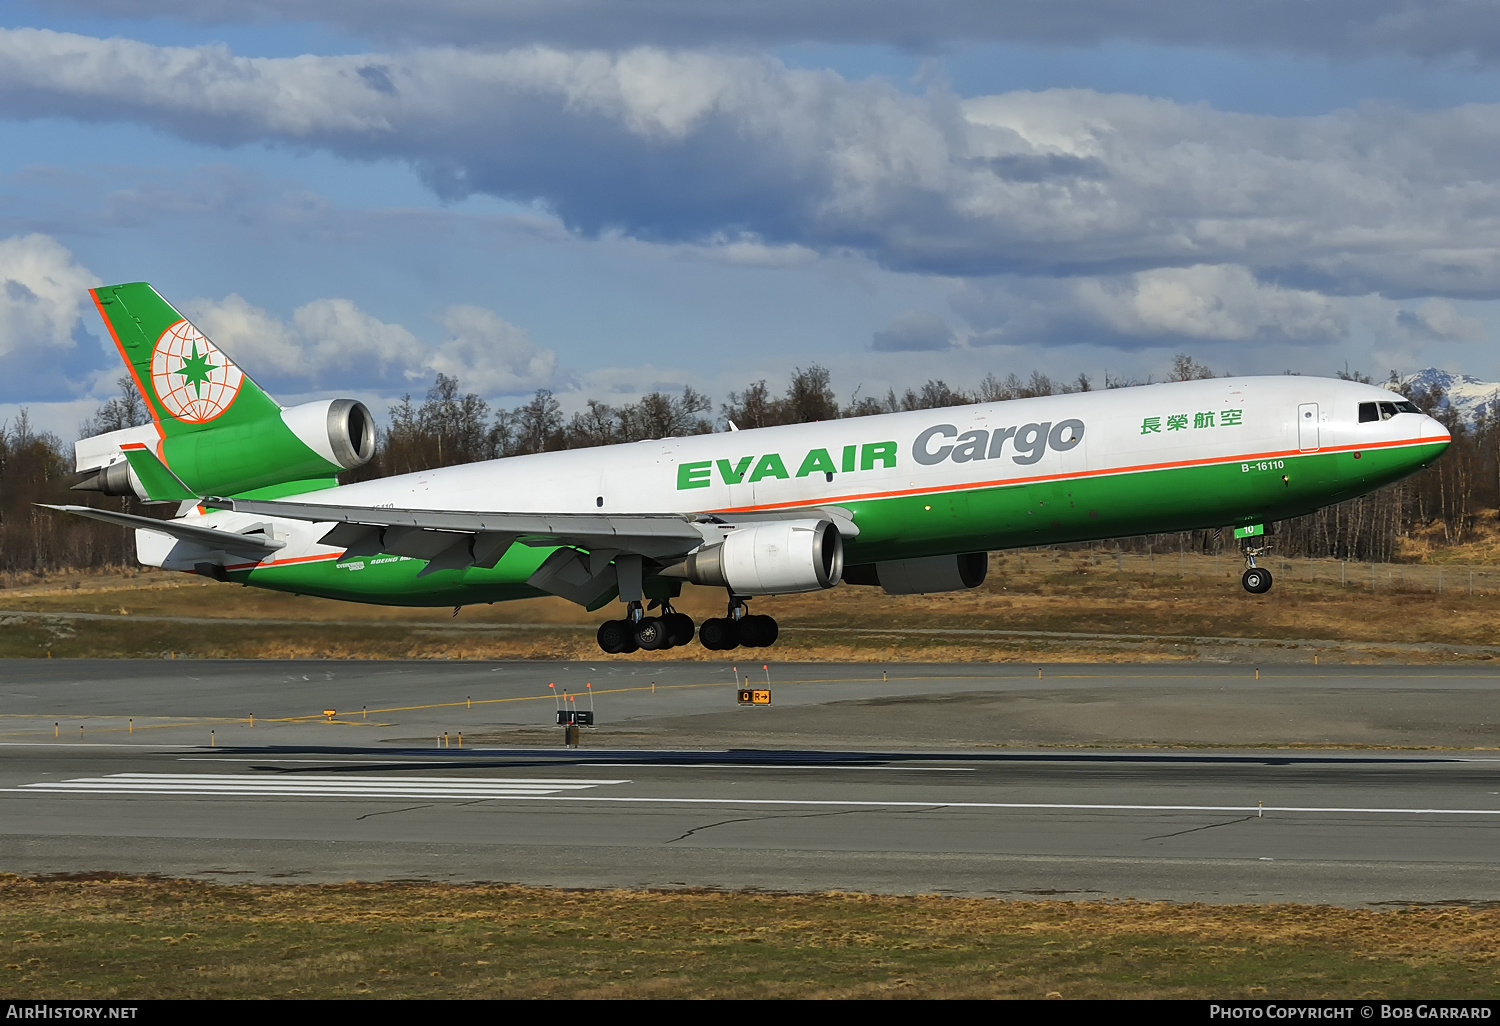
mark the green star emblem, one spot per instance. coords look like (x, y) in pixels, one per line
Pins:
(195, 369)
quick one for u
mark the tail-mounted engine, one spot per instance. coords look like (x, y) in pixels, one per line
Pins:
(304, 443)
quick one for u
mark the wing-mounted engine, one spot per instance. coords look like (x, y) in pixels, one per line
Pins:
(773, 558)
(925, 576)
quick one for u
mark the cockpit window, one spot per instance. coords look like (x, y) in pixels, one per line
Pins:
(1371, 412)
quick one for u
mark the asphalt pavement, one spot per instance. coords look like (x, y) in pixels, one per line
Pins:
(1346, 785)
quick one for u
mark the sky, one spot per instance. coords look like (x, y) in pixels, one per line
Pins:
(609, 197)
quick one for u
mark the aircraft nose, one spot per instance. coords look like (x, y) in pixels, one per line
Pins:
(1434, 431)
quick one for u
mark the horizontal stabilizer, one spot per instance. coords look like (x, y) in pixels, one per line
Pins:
(252, 545)
(160, 483)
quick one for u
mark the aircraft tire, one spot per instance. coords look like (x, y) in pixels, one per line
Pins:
(613, 634)
(773, 630)
(652, 634)
(680, 628)
(1257, 580)
(757, 631)
(719, 634)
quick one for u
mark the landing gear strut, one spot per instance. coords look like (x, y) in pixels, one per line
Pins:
(639, 631)
(738, 627)
(1257, 579)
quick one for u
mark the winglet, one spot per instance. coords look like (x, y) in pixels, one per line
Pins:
(160, 483)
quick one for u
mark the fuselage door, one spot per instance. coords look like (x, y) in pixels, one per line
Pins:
(1307, 427)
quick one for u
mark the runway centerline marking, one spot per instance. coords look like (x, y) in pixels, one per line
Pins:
(314, 786)
(775, 766)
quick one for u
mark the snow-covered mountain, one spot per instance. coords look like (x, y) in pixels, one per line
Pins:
(1466, 393)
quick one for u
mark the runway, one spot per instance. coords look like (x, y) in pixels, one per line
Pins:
(966, 780)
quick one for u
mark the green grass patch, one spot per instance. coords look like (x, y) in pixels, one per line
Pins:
(142, 938)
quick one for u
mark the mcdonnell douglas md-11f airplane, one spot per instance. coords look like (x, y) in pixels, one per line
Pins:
(906, 502)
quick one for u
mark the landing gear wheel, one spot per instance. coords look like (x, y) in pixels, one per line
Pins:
(680, 628)
(757, 631)
(652, 634)
(1257, 580)
(719, 634)
(614, 634)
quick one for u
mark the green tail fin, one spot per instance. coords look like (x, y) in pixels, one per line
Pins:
(187, 382)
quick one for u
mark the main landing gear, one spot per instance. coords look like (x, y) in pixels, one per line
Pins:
(739, 627)
(638, 631)
(1256, 579)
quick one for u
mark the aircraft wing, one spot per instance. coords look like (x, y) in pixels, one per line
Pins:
(454, 540)
(424, 534)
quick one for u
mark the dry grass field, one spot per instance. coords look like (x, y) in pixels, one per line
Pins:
(142, 938)
(1146, 607)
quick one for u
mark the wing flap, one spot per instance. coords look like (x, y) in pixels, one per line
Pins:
(656, 536)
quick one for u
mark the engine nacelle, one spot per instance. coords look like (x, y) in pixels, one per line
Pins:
(307, 442)
(339, 430)
(779, 557)
(924, 576)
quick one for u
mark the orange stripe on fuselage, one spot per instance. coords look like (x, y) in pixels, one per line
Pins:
(1074, 476)
(284, 562)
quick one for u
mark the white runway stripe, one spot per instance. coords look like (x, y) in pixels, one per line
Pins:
(316, 786)
(551, 789)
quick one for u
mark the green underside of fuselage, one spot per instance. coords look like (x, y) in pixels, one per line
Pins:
(1078, 509)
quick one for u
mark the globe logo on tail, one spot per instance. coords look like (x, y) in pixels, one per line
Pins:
(194, 381)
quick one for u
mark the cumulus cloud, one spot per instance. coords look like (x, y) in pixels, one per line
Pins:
(1222, 303)
(492, 355)
(1163, 307)
(914, 331)
(1344, 28)
(42, 294)
(1437, 320)
(333, 343)
(741, 154)
(256, 339)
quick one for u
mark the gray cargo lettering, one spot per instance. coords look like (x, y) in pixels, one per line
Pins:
(919, 447)
(1031, 443)
(997, 440)
(1055, 439)
(970, 445)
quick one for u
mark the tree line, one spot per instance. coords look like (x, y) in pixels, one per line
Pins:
(449, 427)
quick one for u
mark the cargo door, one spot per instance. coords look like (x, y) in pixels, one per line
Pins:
(1307, 427)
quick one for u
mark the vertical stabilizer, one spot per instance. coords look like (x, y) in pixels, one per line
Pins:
(188, 383)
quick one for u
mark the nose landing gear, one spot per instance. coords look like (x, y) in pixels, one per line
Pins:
(1256, 579)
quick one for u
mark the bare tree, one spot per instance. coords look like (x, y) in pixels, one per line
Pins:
(125, 410)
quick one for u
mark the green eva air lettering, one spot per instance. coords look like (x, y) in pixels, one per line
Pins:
(770, 465)
(885, 452)
(817, 461)
(733, 475)
(694, 475)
